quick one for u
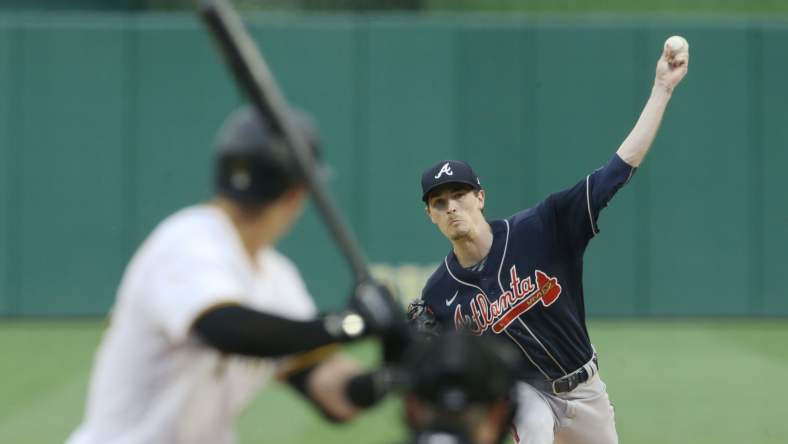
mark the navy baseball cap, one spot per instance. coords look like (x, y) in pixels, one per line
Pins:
(448, 171)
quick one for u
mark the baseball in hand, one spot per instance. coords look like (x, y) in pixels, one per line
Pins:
(677, 44)
(672, 63)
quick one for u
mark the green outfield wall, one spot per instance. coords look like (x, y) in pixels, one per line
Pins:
(107, 122)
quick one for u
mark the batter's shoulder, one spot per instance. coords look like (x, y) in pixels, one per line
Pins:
(280, 262)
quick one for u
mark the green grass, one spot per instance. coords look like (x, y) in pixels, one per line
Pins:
(685, 381)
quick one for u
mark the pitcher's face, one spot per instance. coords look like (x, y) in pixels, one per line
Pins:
(456, 210)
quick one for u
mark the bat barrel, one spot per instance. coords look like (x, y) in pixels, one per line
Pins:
(258, 84)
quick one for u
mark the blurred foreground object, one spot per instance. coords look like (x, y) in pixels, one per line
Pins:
(460, 390)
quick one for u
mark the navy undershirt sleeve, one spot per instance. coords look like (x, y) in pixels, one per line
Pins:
(576, 209)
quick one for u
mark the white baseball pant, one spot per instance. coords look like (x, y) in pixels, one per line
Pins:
(582, 416)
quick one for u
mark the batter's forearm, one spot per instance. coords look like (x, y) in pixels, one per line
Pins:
(327, 387)
(240, 330)
(638, 142)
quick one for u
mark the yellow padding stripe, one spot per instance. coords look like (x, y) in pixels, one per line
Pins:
(305, 360)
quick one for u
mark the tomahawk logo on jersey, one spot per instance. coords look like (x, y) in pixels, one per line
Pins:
(498, 314)
(530, 287)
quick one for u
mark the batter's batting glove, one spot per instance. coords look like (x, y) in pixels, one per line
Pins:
(383, 316)
(422, 321)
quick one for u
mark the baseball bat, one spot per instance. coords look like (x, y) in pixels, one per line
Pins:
(257, 82)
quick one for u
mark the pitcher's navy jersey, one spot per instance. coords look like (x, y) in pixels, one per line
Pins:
(530, 288)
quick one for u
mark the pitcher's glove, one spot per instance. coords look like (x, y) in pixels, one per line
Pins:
(422, 321)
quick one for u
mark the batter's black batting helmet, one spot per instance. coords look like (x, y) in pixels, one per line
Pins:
(253, 165)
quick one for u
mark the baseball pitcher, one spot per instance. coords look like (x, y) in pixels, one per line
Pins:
(520, 278)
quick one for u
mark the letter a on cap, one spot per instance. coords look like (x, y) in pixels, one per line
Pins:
(446, 168)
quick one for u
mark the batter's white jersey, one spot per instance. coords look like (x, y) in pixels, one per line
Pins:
(152, 381)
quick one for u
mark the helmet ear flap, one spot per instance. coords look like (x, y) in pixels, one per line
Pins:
(249, 180)
(253, 166)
